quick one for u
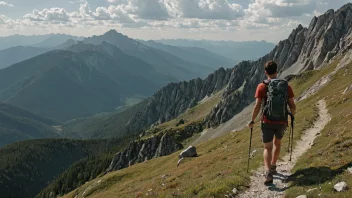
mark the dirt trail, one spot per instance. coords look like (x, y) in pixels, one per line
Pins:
(258, 189)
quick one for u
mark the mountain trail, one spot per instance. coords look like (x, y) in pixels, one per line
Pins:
(284, 168)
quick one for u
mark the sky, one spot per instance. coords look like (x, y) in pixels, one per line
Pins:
(237, 20)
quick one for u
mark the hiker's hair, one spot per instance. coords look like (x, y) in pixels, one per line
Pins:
(270, 67)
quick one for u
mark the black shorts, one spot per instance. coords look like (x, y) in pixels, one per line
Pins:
(271, 130)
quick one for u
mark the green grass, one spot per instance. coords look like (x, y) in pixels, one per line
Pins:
(326, 162)
(221, 165)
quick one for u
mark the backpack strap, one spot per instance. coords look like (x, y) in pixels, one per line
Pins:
(266, 82)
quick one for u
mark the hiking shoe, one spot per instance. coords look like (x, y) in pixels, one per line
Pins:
(269, 179)
(273, 169)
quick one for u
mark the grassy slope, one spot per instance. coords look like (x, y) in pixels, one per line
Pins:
(326, 162)
(222, 161)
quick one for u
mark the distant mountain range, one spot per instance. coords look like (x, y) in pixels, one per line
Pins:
(45, 41)
(193, 54)
(66, 77)
(235, 51)
(164, 63)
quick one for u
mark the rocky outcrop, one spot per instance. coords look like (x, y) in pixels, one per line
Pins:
(156, 146)
(305, 49)
(176, 98)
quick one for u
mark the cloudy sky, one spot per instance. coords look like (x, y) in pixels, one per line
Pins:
(237, 20)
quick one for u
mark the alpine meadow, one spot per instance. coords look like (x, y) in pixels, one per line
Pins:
(175, 98)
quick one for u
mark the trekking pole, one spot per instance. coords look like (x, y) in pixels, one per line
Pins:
(249, 152)
(292, 125)
(289, 141)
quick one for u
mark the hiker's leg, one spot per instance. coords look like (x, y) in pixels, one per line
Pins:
(276, 150)
(279, 134)
(268, 149)
(267, 137)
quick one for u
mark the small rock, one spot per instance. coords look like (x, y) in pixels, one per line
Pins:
(348, 89)
(302, 196)
(350, 170)
(234, 191)
(312, 189)
(340, 187)
(165, 176)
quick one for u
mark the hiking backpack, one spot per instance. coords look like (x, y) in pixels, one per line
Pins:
(275, 105)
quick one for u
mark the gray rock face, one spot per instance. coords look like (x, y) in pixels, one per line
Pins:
(176, 98)
(167, 145)
(139, 151)
(302, 196)
(340, 187)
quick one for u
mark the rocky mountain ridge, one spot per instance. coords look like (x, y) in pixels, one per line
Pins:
(158, 145)
(305, 49)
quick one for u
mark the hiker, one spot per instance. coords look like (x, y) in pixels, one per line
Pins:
(275, 94)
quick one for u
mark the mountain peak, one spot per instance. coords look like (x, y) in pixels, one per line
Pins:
(113, 32)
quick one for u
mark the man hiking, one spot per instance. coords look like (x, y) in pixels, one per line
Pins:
(275, 95)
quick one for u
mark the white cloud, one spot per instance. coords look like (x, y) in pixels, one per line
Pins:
(144, 9)
(3, 19)
(271, 11)
(204, 9)
(5, 4)
(52, 14)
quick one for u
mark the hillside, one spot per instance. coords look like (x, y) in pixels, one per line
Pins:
(17, 124)
(17, 54)
(235, 51)
(163, 62)
(194, 54)
(63, 83)
(221, 164)
(32, 165)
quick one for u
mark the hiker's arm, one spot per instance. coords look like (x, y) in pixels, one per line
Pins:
(292, 105)
(256, 109)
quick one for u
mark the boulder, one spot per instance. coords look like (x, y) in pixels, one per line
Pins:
(191, 151)
(302, 196)
(340, 187)
(350, 170)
